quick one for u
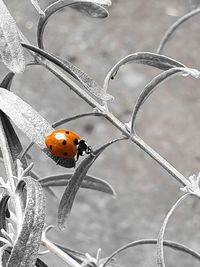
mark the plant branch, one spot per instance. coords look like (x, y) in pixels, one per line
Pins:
(164, 163)
(110, 117)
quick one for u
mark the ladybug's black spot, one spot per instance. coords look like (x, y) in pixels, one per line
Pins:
(50, 147)
(67, 132)
(64, 142)
(65, 153)
(76, 141)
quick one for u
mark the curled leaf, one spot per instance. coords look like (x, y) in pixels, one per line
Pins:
(150, 88)
(90, 9)
(89, 84)
(75, 183)
(78, 116)
(167, 243)
(169, 33)
(89, 182)
(30, 122)
(25, 250)
(10, 48)
(146, 58)
(160, 252)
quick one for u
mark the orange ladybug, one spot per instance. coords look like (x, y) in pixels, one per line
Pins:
(66, 144)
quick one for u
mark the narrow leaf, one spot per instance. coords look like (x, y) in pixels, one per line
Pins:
(82, 258)
(146, 58)
(14, 143)
(89, 182)
(4, 255)
(89, 84)
(30, 122)
(99, 2)
(13, 140)
(40, 263)
(25, 250)
(76, 255)
(75, 183)
(167, 243)
(37, 7)
(75, 117)
(6, 83)
(10, 48)
(176, 25)
(160, 252)
(150, 88)
(92, 87)
(90, 9)
(36, 177)
(6, 154)
(3, 214)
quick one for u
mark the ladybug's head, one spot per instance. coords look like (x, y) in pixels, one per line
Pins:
(83, 148)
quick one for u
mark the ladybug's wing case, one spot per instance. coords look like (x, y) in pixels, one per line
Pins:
(61, 143)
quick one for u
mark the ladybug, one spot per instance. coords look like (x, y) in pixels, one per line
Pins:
(66, 144)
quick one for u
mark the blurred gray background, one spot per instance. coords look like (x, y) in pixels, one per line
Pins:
(168, 122)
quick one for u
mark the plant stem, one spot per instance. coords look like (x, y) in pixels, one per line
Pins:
(164, 163)
(60, 253)
(153, 154)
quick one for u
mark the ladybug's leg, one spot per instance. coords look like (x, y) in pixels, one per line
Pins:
(77, 155)
(57, 162)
